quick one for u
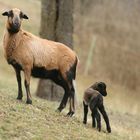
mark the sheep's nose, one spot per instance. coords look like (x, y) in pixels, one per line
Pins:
(16, 23)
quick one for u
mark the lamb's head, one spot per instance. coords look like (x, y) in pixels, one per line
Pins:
(15, 17)
(101, 87)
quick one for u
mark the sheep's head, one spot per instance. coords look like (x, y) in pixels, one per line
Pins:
(101, 87)
(15, 17)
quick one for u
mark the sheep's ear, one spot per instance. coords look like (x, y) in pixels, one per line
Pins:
(25, 16)
(5, 13)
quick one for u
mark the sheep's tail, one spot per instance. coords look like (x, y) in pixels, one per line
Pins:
(71, 74)
(74, 82)
(75, 67)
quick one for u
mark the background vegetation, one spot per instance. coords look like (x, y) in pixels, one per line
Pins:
(113, 26)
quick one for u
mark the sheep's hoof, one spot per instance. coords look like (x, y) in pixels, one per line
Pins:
(29, 101)
(70, 114)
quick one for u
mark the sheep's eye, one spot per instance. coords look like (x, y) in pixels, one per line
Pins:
(21, 14)
(10, 14)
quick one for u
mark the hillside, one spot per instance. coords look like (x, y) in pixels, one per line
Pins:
(40, 121)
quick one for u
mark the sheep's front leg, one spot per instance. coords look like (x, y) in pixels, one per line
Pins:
(27, 74)
(18, 76)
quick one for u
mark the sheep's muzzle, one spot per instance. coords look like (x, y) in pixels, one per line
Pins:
(14, 27)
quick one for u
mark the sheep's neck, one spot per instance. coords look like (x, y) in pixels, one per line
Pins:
(10, 43)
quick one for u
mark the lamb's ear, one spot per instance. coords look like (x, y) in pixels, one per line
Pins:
(100, 85)
(25, 16)
(5, 13)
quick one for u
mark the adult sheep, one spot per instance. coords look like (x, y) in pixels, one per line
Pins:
(40, 58)
(93, 97)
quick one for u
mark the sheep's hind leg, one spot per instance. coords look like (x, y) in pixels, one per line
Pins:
(60, 81)
(72, 102)
(71, 109)
(63, 102)
(18, 76)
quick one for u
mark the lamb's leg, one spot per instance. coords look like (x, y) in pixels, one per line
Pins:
(27, 74)
(85, 112)
(93, 119)
(105, 116)
(18, 76)
(98, 118)
(95, 114)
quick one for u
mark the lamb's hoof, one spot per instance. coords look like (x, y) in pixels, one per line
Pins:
(93, 126)
(84, 122)
(70, 114)
(59, 109)
(29, 101)
(109, 130)
(19, 98)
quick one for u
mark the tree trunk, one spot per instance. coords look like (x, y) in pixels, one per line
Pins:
(57, 25)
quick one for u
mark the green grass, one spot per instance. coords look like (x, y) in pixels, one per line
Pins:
(40, 121)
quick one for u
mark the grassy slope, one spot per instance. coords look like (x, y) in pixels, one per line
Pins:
(40, 121)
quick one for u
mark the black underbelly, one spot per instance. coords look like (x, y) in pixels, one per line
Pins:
(41, 72)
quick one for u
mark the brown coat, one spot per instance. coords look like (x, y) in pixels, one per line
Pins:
(29, 50)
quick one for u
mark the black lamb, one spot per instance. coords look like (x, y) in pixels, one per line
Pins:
(93, 97)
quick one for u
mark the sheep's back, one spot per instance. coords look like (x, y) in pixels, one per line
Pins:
(66, 57)
(52, 55)
(44, 54)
